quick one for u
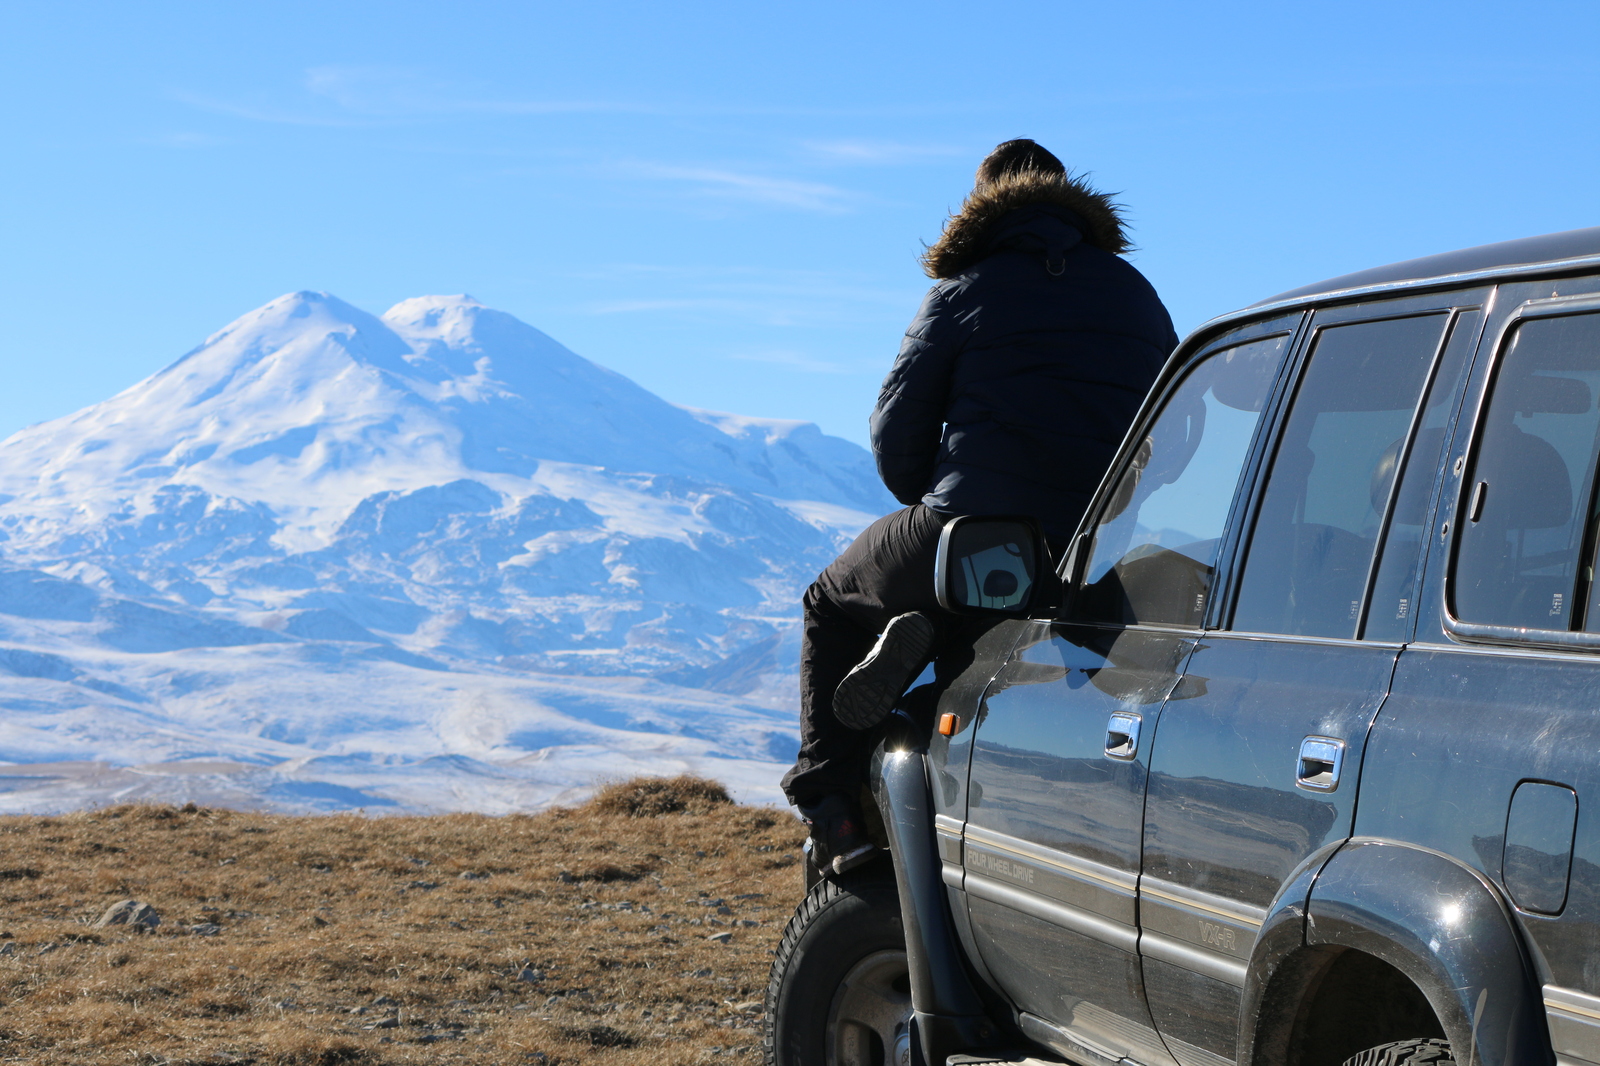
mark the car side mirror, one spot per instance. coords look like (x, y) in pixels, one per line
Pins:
(993, 564)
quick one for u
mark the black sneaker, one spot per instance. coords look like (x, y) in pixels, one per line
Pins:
(869, 691)
(838, 836)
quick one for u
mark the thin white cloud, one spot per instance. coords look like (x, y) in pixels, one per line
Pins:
(781, 310)
(772, 297)
(272, 115)
(755, 188)
(876, 152)
(796, 361)
(751, 278)
(346, 96)
(343, 95)
(186, 139)
(405, 92)
(629, 307)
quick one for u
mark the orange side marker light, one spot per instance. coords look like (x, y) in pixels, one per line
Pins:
(949, 725)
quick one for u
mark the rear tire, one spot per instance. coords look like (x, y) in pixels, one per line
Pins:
(839, 993)
(1406, 1053)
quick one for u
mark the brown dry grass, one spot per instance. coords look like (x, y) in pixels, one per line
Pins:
(573, 936)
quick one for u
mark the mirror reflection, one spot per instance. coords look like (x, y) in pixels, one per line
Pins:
(990, 564)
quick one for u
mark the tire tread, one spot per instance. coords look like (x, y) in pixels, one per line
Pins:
(1430, 1052)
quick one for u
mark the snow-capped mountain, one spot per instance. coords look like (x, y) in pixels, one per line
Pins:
(436, 548)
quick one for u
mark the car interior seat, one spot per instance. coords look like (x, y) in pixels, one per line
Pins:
(1518, 573)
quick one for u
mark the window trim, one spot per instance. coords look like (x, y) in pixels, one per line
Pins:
(1246, 498)
(1458, 315)
(1481, 632)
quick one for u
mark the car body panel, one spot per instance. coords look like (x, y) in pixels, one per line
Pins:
(1226, 825)
(1053, 829)
(1463, 729)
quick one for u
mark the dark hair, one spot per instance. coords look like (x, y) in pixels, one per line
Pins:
(1014, 157)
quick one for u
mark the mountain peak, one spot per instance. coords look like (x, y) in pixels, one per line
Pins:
(419, 306)
(307, 403)
(437, 318)
(455, 332)
(298, 307)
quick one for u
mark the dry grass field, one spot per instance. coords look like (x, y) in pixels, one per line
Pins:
(636, 929)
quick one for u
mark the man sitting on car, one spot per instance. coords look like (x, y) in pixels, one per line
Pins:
(1013, 388)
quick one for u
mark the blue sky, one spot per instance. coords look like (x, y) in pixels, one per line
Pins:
(725, 201)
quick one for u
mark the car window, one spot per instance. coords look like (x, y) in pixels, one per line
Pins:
(1328, 488)
(1526, 510)
(1155, 545)
(1393, 601)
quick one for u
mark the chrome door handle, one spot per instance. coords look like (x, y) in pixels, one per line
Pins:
(1321, 760)
(1122, 736)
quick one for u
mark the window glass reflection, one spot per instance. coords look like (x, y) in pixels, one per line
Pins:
(1328, 488)
(1156, 544)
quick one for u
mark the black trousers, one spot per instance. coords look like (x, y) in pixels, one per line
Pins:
(886, 571)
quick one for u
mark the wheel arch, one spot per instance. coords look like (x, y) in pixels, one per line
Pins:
(1281, 970)
(1446, 928)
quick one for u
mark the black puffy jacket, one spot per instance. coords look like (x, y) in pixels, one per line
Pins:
(1028, 360)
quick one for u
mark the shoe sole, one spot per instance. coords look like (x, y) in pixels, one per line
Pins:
(853, 858)
(868, 693)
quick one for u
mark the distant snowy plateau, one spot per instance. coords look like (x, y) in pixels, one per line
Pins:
(428, 562)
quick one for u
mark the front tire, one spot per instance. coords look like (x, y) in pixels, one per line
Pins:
(840, 991)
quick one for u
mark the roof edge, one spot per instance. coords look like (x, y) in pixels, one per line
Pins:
(1548, 248)
(1295, 300)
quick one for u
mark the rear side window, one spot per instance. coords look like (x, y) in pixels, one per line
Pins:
(1329, 485)
(1156, 543)
(1526, 543)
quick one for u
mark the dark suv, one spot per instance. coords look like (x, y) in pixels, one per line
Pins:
(1295, 757)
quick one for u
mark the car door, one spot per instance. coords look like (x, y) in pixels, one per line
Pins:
(1487, 748)
(1051, 848)
(1256, 753)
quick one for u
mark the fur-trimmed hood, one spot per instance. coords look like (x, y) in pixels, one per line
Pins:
(968, 234)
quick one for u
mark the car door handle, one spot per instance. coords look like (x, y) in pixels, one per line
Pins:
(1122, 735)
(1321, 760)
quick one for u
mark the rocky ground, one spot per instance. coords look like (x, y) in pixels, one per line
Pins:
(635, 929)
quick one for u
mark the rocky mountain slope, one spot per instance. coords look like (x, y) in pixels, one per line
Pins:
(429, 561)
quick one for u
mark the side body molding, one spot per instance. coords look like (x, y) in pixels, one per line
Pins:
(1444, 926)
